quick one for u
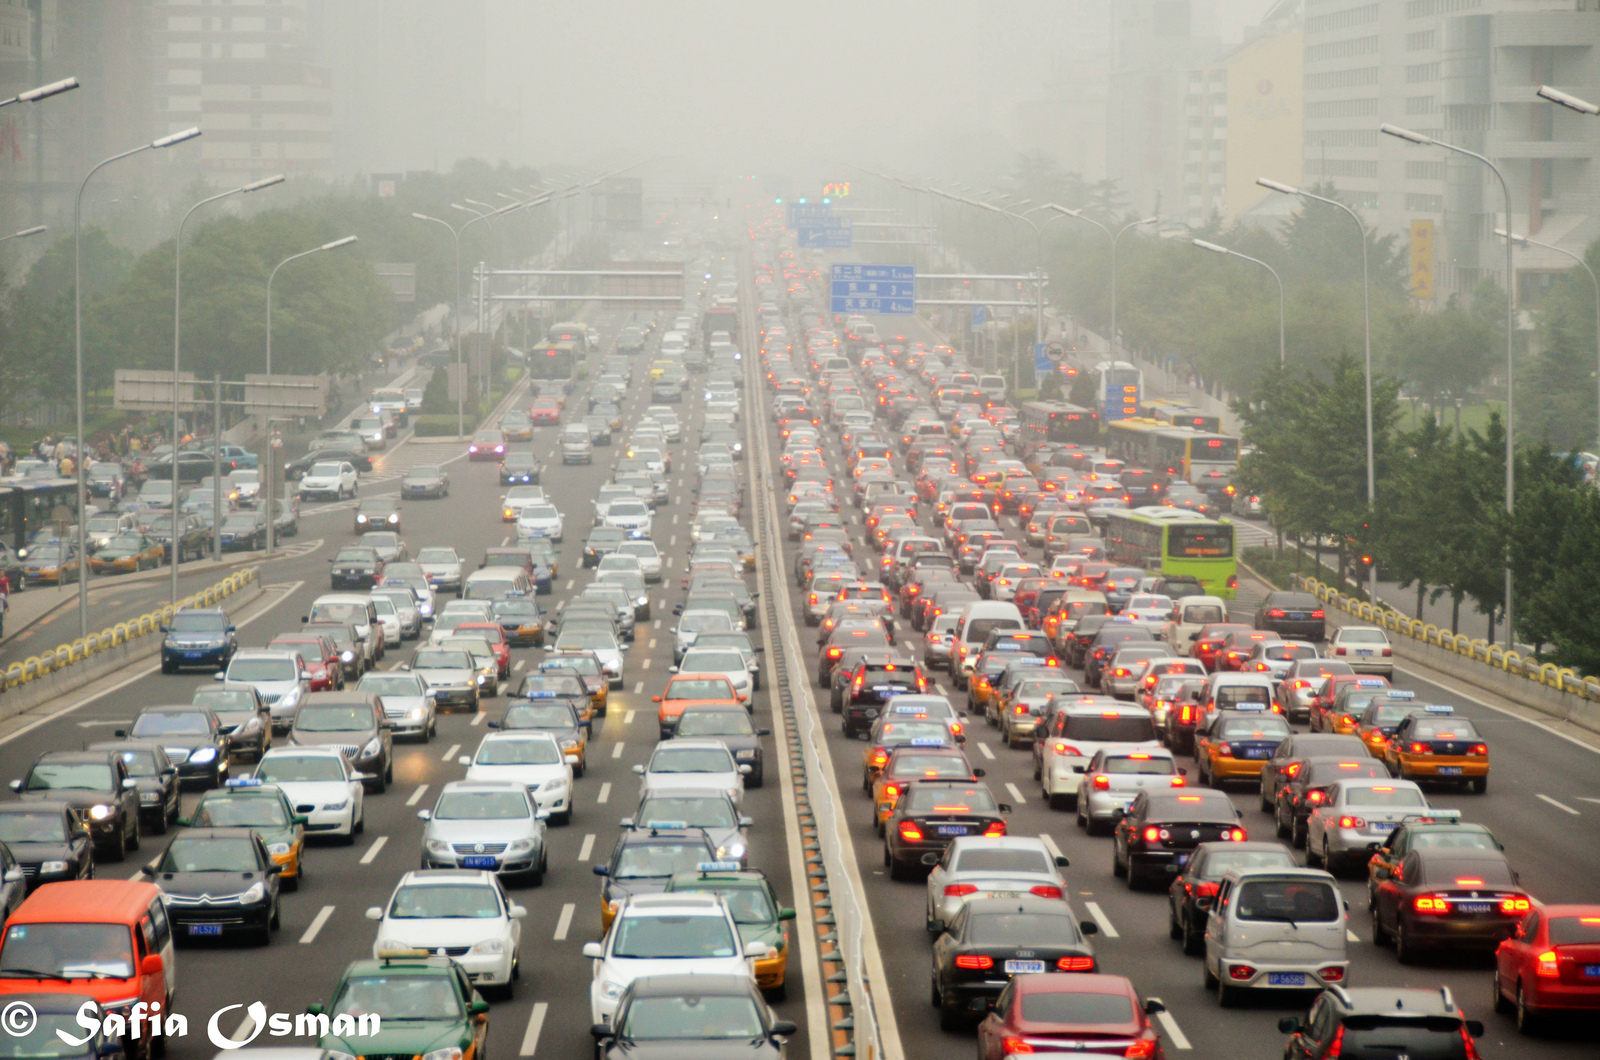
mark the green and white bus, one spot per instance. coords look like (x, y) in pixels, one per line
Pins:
(1173, 541)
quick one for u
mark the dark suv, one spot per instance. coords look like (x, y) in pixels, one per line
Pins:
(201, 637)
(1387, 1021)
(97, 786)
(1292, 614)
(876, 677)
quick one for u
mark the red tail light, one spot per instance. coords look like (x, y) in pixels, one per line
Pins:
(1141, 1050)
(891, 791)
(1331, 975)
(1430, 904)
(1102, 782)
(959, 890)
(1338, 651)
(1152, 834)
(1544, 966)
(1478, 749)
(1515, 905)
(879, 757)
(1318, 614)
(1045, 890)
(1234, 835)
(1241, 972)
(1352, 822)
(1316, 796)
(969, 960)
(1421, 748)
(910, 832)
(998, 828)
(1207, 889)
(1275, 613)
(1178, 782)
(1015, 1046)
(1075, 964)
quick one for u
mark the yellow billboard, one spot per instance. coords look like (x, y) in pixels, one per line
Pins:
(1422, 260)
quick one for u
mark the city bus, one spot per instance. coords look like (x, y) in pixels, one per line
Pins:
(26, 506)
(1173, 542)
(1055, 421)
(1180, 415)
(1181, 452)
(553, 360)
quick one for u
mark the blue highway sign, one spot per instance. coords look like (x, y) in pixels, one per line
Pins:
(801, 213)
(874, 289)
(833, 233)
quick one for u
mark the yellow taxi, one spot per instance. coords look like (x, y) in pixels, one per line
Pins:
(1382, 717)
(587, 666)
(906, 764)
(659, 368)
(247, 802)
(1435, 743)
(1237, 743)
(1343, 715)
(127, 553)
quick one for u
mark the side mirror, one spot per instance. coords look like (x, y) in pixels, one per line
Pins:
(218, 676)
(599, 1031)
(1062, 862)
(639, 770)
(517, 912)
(152, 965)
(657, 699)
(936, 927)
(786, 914)
(164, 628)
(233, 629)
(1289, 1025)
(1475, 1028)
(594, 950)
(1088, 927)
(129, 783)
(425, 815)
(15, 876)
(1003, 807)
(784, 1028)
(463, 760)
(601, 870)
(756, 949)
(746, 770)
(16, 785)
(478, 1008)
(1154, 1005)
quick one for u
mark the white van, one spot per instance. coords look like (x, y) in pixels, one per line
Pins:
(355, 609)
(496, 583)
(979, 620)
(1275, 929)
(1194, 613)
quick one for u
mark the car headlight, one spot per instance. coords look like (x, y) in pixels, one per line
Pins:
(335, 1054)
(292, 697)
(482, 678)
(569, 745)
(437, 846)
(347, 656)
(414, 714)
(641, 601)
(394, 517)
(610, 990)
(425, 609)
(102, 811)
(732, 850)
(204, 755)
(256, 893)
(521, 844)
(374, 746)
(361, 518)
(335, 807)
(553, 784)
(489, 946)
(278, 850)
(452, 1053)
(52, 866)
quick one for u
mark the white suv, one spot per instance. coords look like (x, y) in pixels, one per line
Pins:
(1079, 730)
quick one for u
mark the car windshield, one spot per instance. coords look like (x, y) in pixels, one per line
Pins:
(658, 859)
(241, 811)
(164, 723)
(400, 998)
(1228, 696)
(539, 716)
(32, 828)
(1077, 1008)
(540, 511)
(452, 902)
(318, 718)
(700, 687)
(712, 661)
(481, 806)
(391, 684)
(1021, 929)
(70, 776)
(442, 660)
(692, 1018)
(1109, 727)
(1132, 765)
(1444, 729)
(287, 769)
(581, 664)
(72, 951)
(350, 555)
(691, 760)
(715, 723)
(1289, 901)
(949, 800)
(261, 670)
(1264, 727)
(198, 622)
(693, 811)
(664, 937)
(1383, 795)
(518, 753)
(207, 854)
(225, 700)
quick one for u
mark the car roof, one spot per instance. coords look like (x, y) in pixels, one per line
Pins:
(694, 985)
(88, 901)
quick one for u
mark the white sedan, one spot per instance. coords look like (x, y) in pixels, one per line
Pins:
(532, 759)
(540, 520)
(728, 662)
(666, 934)
(322, 786)
(679, 764)
(454, 910)
(1365, 648)
(631, 516)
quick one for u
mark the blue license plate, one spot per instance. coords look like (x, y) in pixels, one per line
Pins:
(1591, 971)
(1449, 771)
(1286, 978)
(205, 929)
(951, 829)
(479, 861)
(1473, 907)
(1383, 826)
(1183, 859)
(1298, 616)
(1258, 752)
(193, 654)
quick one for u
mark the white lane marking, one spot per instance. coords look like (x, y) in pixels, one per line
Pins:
(479, 718)
(416, 796)
(454, 748)
(1585, 798)
(570, 582)
(1351, 936)
(530, 1040)
(673, 543)
(316, 925)
(564, 922)
(1100, 918)
(986, 752)
(504, 541)
(587, 848)
(1050, 844)
(1170, 1025)
(1557, 805)
(372, 851)
(674, 518)
(605, 792)
(638, 689)
(1016, 794)
(627, 719)
(656, 624)
(520, 664)
(616, 752)
(652, 643)
(645, 665)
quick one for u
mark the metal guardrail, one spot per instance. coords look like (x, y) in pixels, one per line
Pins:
(76, 651)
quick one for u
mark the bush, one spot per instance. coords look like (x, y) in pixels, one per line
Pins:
(436, 395)
(441, 424)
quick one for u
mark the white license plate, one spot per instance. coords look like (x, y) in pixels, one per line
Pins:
(1023, 967)
(1286, 978)
(1363, 651)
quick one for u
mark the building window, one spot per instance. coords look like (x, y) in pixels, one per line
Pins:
(1350, 167)
(1424, 170)
(1425, 40)
(1361, 75)
(1342, 49)
(1424, 203)
(1355, 16)
(1422, 72)
(1422, 105)
(1343, 108)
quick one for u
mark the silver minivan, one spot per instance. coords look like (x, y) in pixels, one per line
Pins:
(1276, 929)
(576, 445)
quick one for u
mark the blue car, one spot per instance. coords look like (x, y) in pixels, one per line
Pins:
(198, 637)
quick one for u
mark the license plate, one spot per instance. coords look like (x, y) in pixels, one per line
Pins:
(1183, 859)
(1286, 978)
(205, 929)
(949, 829)
(1383, 826)
(1023, 967)
(1473, 907)
(1363, 651)
(193, 654)
(1591, 971)
(1298, 616)
(1449, 771)
(1258, 752)
(479, 861)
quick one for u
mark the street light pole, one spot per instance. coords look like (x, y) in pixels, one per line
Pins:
(177, 354)
(77, 331)
(1423, 140)
(34, 95)
(1111, 339)
(1366, 329)
(273, 275)
(1216, 249)
(35, 230)
(1593, 280)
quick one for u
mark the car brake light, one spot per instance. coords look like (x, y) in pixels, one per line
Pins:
(1388, 651)
(1152, 834)
(1545, 965)
(1431, 904)
(1102, 782)
(995, 829)
(1515, 905)
(1478, 749)
(1141, 1050)
(1241, 972)
(1318, 614)
(1234, 835)
(1207, 889)
(1178, 782)
(1067, 749)
(1338, 651)
(1421, 748)
(972, 960)
(1073, 964)
(1045, 890)
(959, 890)
(1316, 796)
(1015, 1046)
(1275, 613)
(1334, 974)
(879, 757)
(910, 832)
(1294, 767)
(1352, 822)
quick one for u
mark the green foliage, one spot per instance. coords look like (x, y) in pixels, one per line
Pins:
(433, 425)
(1556, 385)
(436, 395)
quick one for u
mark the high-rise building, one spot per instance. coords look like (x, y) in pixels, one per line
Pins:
(247, 74)
(1463, 71)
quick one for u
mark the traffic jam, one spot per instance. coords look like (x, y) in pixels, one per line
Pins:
(1060, 716)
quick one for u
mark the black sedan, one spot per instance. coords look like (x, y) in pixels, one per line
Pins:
(1161, 830)
(520, 468)
(146, 762)
(194, 536)
(193, 739)
(993, 939)
(359, 459)
(216, 882)
(1190, 896)
(930, 814)
(244, 532)
(730, 725)
(98, 788)
(424, 482)
(355, 567)
(48, 840)
(192, 467)
(668, 1017)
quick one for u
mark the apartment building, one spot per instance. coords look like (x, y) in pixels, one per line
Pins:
(1463, 71)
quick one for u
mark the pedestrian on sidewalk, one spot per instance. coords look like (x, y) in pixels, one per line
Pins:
(5, 600)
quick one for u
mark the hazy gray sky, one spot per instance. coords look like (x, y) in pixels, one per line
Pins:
(769, 84)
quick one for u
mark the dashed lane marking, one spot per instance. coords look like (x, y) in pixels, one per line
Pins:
(455, 747)
(1557, 805)
(587, 848)
(1170, 1025)
(984, 748)
(1100, 918)
(530, 1039)
(605, 793)
(416, 796)
(372, 852)
(616, 751)
(316, 925)
(1016, 794)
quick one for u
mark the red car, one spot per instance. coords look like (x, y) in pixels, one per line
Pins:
(486, 445)
(1237, 647)
(1208, 643)
(496, 636)
(545, 410)
(1550, 965)
(321, 659)
(1071, 1012)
